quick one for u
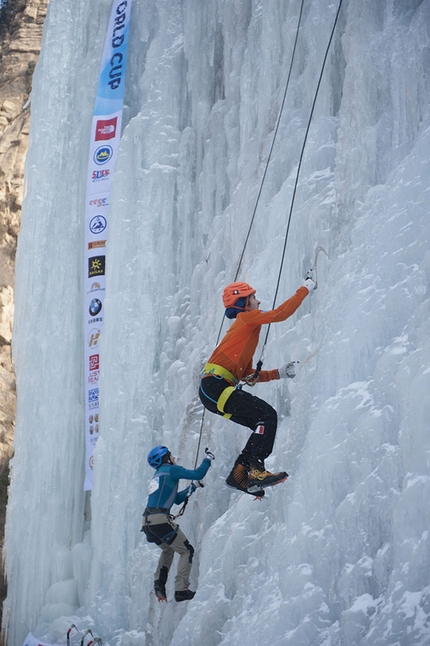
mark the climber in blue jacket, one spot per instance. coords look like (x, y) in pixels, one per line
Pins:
(158, 524)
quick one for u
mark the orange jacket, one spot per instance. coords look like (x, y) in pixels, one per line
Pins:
(236, 350)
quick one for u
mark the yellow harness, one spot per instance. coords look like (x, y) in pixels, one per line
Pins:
(219, 371)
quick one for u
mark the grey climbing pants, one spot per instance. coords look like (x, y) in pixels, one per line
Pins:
(160, 529)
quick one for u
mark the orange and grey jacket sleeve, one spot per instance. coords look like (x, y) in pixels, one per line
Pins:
(268, 375)
(264, 375)
(286, 309)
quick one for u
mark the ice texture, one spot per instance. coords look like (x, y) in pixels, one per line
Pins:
(339, 555)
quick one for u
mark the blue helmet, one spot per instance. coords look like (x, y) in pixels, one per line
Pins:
(155, 456)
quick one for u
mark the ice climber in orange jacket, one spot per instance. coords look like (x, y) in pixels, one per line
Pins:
(230, 363)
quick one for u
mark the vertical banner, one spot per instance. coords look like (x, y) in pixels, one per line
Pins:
(105, 138)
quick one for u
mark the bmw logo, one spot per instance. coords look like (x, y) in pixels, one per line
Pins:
(103, 154)
(98, 224)
(95, 307)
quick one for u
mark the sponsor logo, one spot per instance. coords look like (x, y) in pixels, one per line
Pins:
(99, 201)
(96, 287)
(96, 290)
(96, 266)
(260, 429)
(95, 307)
(97, 244)
(93, 338)
(100, 175)
(94, 362)
(102, 155)
(93, 395)
(106, 129)
(91, 462)
(97, 224)
(93, 377)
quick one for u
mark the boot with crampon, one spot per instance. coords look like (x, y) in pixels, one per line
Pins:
(259, 478)
(238, 478)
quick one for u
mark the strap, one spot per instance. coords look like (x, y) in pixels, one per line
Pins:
(155, 510)
(219, 371)
(222, 400)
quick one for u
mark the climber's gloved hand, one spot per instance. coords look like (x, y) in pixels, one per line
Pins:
(289, 370)
(209, 455)
(191, 489)
(309, 280)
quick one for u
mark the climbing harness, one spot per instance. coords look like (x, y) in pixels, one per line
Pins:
(162, 532)
(212, 369)
(219, 371)
(222, 400)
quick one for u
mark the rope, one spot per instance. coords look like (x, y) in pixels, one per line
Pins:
(275, 132)
(260, 362)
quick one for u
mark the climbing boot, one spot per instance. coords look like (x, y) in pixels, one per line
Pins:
(160, 584)
(238, 477)
(184, 595)
(259, 478)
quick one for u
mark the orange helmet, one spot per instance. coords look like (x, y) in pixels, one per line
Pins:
(234, 291)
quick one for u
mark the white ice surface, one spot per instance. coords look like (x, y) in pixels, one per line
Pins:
(340, 554)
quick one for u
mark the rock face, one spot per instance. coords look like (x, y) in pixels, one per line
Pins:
(21, 23)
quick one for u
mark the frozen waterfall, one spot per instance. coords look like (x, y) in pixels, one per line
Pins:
(340, 554)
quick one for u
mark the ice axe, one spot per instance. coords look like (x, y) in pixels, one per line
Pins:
(312, 273)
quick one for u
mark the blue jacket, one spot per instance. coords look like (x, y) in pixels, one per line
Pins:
(163, 488)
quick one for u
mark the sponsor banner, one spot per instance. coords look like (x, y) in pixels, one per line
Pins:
(103, 150)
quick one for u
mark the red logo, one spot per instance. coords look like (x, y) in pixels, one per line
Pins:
(260, 429)
(106, 129)
(94, 362)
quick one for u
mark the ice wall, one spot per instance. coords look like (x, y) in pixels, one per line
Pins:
(339, 554)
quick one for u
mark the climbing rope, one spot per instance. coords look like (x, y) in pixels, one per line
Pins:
(260, 362)
(257, 201)
(275, 132)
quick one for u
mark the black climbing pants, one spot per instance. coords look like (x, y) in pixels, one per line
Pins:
(247, 410)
